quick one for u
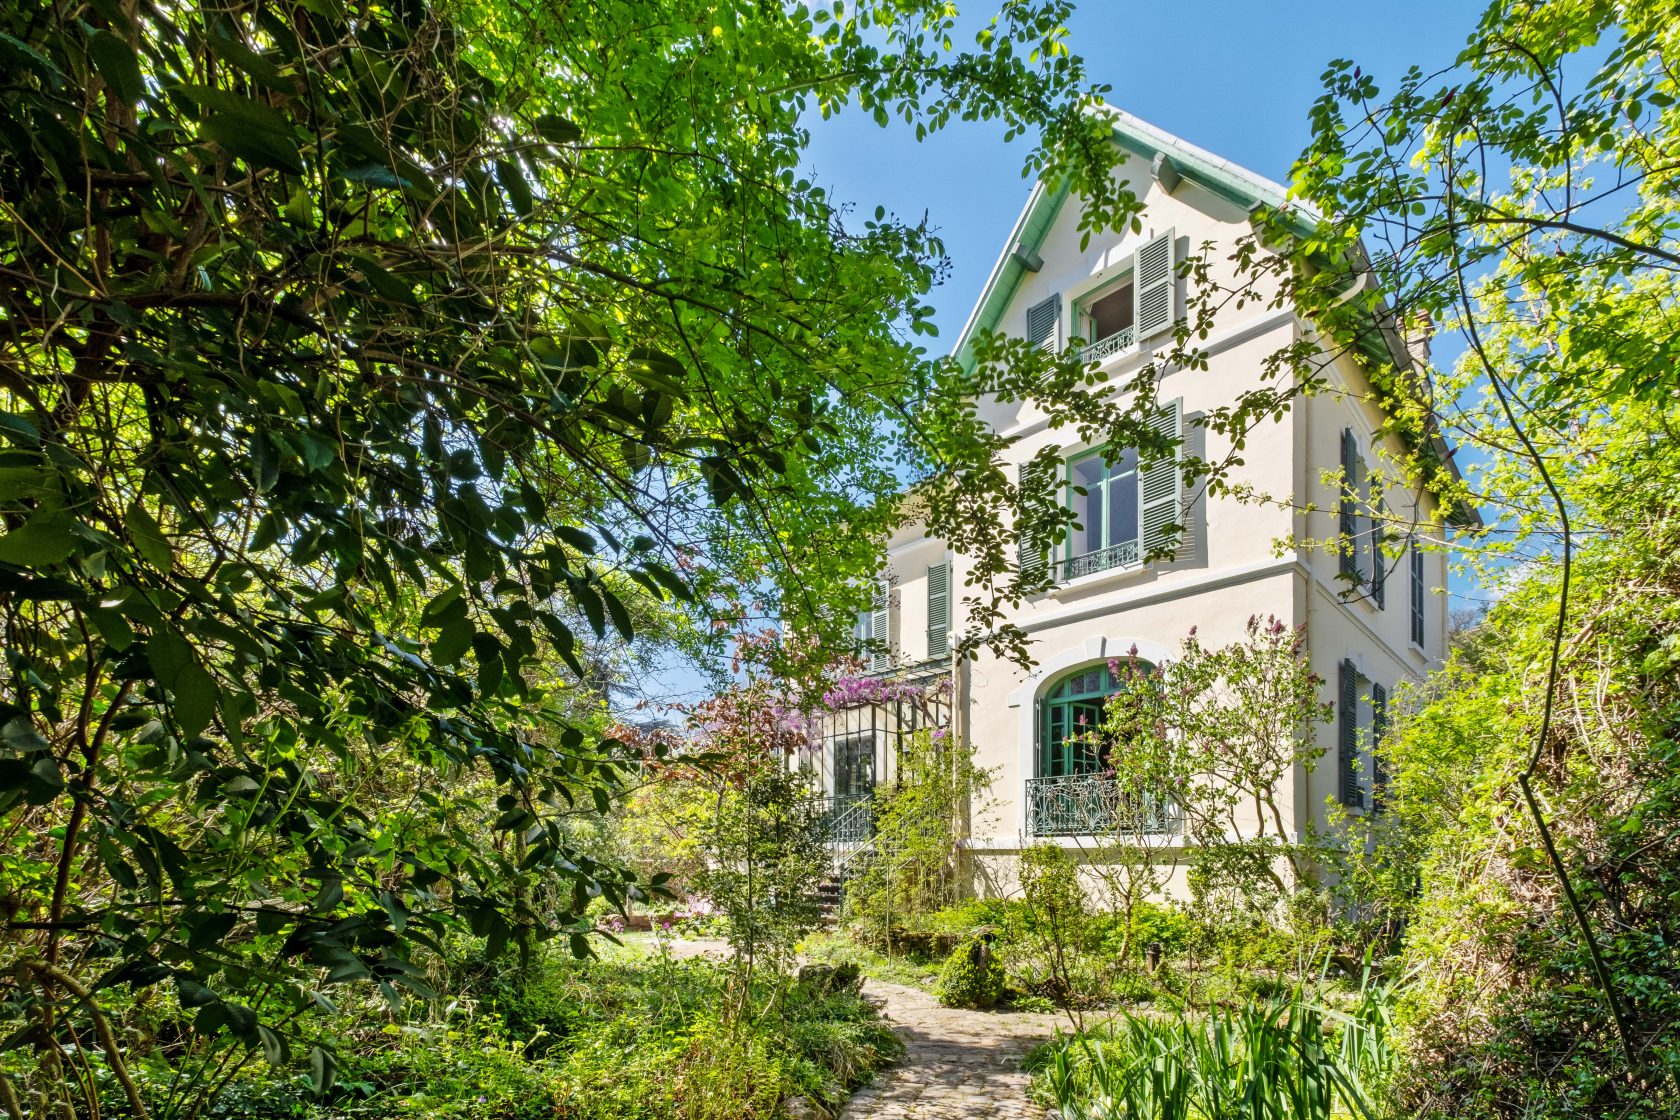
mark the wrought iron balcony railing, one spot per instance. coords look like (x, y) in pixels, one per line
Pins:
(1094, 805)
(1113, 344)
(1123, 555)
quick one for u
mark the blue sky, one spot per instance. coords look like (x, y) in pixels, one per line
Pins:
(1235, 78)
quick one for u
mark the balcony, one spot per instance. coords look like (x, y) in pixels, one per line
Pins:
(1122, 555)
(1093, 805)
(1115, 343)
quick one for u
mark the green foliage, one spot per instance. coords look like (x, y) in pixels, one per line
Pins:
(649, 1039)
(1055, 940)
(972, 977)
(838, 949)
(1210, 738)
(1537, 204)
(361, 362)
(1291, 1059)
(915, 865)
(760, 840)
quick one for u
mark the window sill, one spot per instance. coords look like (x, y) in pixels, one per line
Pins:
(1089, 840)
(1097, 580)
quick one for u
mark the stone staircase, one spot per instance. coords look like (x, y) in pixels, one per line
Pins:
(829, 895)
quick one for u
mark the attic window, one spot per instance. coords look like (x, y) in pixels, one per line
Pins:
(1107, 321)
(1111, 313)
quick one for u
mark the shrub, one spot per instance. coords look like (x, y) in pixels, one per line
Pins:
(1167, 925)
(972, 977)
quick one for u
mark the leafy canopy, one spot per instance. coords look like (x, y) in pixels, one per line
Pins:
(352, 358)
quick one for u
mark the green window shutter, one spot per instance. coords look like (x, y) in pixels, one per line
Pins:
(1379, 732)
(880, 655)
(1160, 491)
(1042, 320)
(1347, 736)
(939, 609)
(1379, 562)
(1037, 484)
(1347, 544)
(1416, 558)
(1154, 286)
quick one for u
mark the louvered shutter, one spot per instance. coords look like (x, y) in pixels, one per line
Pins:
(1417, 594)
(1347, 544)
(880, 656)
(1042, 320)
(1379, 562)
(1379, 732)
(1347, 735)
(1160, 491)
(939, 609)
(1154, 286)
(1037, 482)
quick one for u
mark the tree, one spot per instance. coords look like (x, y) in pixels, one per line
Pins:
(1522, 197)
(1206, 741)
(351, 355)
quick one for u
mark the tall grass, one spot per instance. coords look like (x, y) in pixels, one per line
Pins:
(1289, 1059)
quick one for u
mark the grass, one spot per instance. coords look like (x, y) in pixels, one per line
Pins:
(836, 948)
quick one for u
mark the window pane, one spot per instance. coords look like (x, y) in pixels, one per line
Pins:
(1112, 313)
(1123, 508)
(1089, 473)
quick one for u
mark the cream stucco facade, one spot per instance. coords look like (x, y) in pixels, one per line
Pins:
(1240, 558)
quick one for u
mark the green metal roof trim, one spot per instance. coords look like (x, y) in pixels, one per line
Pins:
(1030, 230)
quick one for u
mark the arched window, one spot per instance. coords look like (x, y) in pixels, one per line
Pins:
(1070, 712)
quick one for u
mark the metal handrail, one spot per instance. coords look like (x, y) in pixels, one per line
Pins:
(848, 828)
(1095, 805)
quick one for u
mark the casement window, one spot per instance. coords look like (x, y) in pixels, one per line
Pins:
(1107, 318)
(939, 609)
(1070, 714)
(1414, 556)
(1103, 494)
(1124, 514)
(1073, 790)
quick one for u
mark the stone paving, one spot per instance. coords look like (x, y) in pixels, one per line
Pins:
(957, 1065)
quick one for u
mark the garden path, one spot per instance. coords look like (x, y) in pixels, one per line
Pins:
(957, 1065)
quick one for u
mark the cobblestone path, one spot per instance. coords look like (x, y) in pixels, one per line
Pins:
(957, 1065)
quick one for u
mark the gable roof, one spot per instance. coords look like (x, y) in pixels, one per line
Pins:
(1218, 175)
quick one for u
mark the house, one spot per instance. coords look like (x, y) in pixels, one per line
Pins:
(1373, 619)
